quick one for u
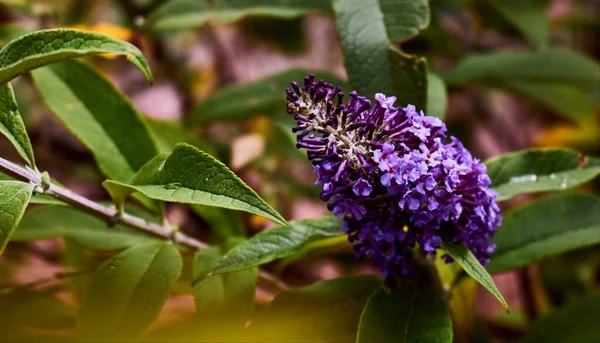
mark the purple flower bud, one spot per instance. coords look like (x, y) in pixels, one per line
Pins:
(394, 176)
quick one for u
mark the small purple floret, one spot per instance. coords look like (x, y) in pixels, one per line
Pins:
(394, 176)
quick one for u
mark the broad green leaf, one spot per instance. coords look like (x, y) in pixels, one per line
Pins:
(563, 80)
(191, 176)
(369, 31)
(471, 266)
(99, 115)
(437, 98)
(529, 17)
(91, 232)
(11, 124)
(275, 243)
(536, 170)
(544, 228)
(44, 47)
(263, 97)
(576, 322)
(223, 303)
(14, 197)
(328, 311)
(413, 312)
(185, 14)
(127, 292)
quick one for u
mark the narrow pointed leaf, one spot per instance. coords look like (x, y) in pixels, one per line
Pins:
(534, 170)
(44, 47)
(471, 266)
(99, 115)
(563, 80)
(369, 31)
(412, 313)
(127, 292)
(12, 126)
(275, 243)
(224, 303)
(191, 176)
(263, 97)
(14, 197)
(544, 228)
(437, 97)
(328, 311)
(185, 14)
(91, 232)
(528, 17)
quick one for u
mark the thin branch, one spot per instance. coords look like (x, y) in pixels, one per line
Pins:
(108, 214)
(111, 216)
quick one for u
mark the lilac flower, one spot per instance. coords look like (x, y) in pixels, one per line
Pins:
(394, 176)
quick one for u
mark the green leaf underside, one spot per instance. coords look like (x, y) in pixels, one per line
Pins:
(14, 197)
(127, 292)
(368, 30)
(537, 170)
(191, 176)
(527, 16)
(263, 97)
(327, 311)
(225, 301)
(563, 80)
(414, 312)
(471, 266)
(275, 243)
(576, 322)
(437, 98)
(60, 221)
(44, 47)
(12, 126)
(544, 228)
(99, 115)
(185, 14)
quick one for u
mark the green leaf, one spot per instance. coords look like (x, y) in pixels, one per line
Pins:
(127, 292)
(369, 31)
(91, 232)
(437, 98)
(275, 243)
(546, 227)
(168, 133)
(44, 47)
(529, 17)
(413, 312)
(560, 79)
(536, 170)
(263, 97)
(327, 311)
(99, 115)
(11, 124)
(223, 303)
(576, 322)
(223, 223)
(471, 266)
(191, 176)
(185, 14)
(14, 197)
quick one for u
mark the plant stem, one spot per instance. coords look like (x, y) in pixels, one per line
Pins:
(527, 293)
(111, 216)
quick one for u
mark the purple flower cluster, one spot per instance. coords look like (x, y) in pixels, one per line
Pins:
(394, 176)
